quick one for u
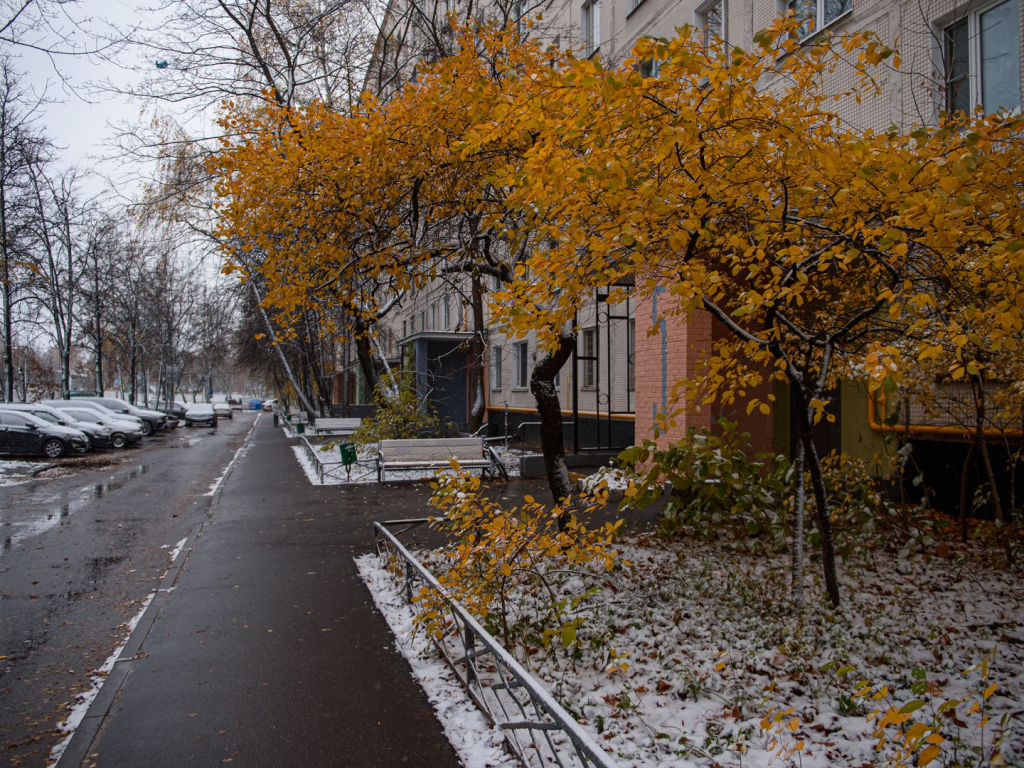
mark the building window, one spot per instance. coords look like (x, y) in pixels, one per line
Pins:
(495, 367)
(588, 358)
(446, 314)
(433, 316)
(815, 15)
(590, 21)
(631, 354)
(423, 320)
(711, 23)
(521, 361)
(981, 58)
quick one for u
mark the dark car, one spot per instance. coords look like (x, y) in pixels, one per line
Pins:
(174, 410)
(24, 433)
(98, 435)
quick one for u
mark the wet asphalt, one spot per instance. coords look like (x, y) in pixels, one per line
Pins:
(266, 649)
(81, 546)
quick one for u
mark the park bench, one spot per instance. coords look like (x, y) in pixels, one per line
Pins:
(342, 427)
(436, 453)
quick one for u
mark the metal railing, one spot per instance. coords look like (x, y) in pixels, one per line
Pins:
(538, 731)
(325, 469)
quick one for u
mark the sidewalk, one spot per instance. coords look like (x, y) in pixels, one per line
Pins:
(268, 650)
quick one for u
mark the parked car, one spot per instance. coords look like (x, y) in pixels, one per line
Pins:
(99, 436)
(175, 409)
(223, 411)
(134, 421)
(22, 432)
(235, 403)
(151, 420)
(122, 433)
(269, 405)
(200, 413)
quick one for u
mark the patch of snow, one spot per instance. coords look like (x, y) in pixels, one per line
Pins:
(478, 744)
(364, 471)
(706, 644)
(84, 700)
(177, 549)
(242, 450)
(609, 478)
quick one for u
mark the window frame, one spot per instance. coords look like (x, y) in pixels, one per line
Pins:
(819, 15)
(588, 370)
(975, 75)
(520, 363)
(631, 355)
(700, 21)
(590, 26)
(496, 368)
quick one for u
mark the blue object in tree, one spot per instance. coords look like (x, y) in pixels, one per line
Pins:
(162, 64)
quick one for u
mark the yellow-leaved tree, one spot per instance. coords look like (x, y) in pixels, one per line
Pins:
(731, 183)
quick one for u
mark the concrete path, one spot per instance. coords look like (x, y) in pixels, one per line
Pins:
(267, 650)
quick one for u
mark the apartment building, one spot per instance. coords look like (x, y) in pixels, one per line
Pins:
(956, 56)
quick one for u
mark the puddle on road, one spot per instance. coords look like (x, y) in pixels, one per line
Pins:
(66, 505)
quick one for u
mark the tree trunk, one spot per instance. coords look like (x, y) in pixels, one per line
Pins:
(476, 357)
(364, 353)
(280, 352)
(799, 507)
(965, 497)
(822, 514)
(8, 340)
(542, 384)
(97, 320)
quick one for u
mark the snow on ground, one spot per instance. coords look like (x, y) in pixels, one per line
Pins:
(609, 478)
(79, 709)
(242, 450)
(365, 469)
(706, 645)
(18, 472)
(478, 744)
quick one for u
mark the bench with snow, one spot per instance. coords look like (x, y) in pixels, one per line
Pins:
(436, 453)
(342, 427)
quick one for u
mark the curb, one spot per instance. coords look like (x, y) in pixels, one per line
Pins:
(85, 734)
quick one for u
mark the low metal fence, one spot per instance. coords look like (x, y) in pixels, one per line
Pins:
(538, 731)
(356, 471)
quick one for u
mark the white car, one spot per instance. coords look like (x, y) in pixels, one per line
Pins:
(200, 413)
(223, 411)
(122, 433)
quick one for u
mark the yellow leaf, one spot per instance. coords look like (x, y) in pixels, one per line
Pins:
(928, 754)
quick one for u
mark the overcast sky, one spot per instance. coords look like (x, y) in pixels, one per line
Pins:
(81, 120)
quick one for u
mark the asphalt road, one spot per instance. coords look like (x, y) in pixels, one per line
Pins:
(261, 646)
(79, 553)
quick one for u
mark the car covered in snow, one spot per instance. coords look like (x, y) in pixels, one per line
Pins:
(122, 432)
(151, 420)
(223, 411)
(200, 413)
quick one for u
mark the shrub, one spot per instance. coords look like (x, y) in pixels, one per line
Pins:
(394, 418)
(527, 582)
(717, 482)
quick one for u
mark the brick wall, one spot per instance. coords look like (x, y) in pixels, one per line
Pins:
(670, 349)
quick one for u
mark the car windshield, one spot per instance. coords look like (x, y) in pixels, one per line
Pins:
(46, 417)
(85, 416)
